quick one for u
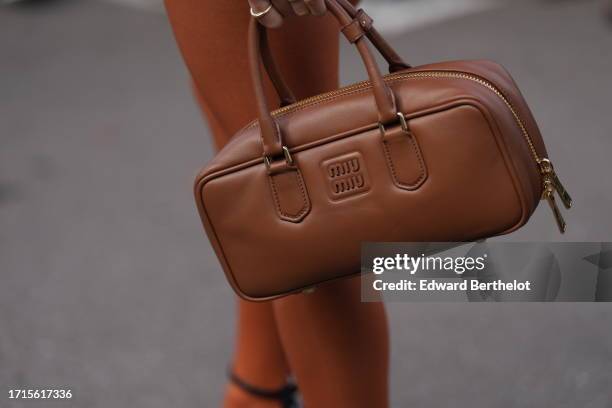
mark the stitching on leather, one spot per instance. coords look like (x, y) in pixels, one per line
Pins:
(417, 151)
(305, 206)
(421, 163)
(277, 198)
(390, 163)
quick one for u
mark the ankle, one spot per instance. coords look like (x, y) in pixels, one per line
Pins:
(263, 376)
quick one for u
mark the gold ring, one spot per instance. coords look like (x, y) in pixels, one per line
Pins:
(257, 14)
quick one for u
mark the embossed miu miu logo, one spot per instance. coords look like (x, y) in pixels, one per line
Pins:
(346, 175)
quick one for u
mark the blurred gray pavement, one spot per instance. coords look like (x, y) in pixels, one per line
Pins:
(109, 287)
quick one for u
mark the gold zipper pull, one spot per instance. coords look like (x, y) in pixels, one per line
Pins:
(563, 194)
(549, 195)
(548, 170)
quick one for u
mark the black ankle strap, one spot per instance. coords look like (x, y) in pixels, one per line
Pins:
(285, 395)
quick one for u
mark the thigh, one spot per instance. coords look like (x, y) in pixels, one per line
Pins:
(212, 37)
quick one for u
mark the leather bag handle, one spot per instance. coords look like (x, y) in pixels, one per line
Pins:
(352, 29)
(282, 90)
(395, 61)
(286, 96)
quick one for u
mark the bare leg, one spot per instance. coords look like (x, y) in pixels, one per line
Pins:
(336, 346)
(258, 358)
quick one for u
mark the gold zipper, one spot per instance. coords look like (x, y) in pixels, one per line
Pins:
(550, 180)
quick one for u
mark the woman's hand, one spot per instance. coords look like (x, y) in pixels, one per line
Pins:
(270, 13)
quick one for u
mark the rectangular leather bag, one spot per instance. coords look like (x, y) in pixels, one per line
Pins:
(442, 152)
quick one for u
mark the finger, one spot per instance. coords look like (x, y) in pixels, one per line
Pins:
(271, 18)
(299, 7)
(283, 7)
(316, 7)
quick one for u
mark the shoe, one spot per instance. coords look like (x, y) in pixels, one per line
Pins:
(286, 395)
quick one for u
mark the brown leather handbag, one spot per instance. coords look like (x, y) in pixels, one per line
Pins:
(441, 152)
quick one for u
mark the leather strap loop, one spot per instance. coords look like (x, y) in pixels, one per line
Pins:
(353, 31)
(361, 24)
(365, 21)
(396, 63)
